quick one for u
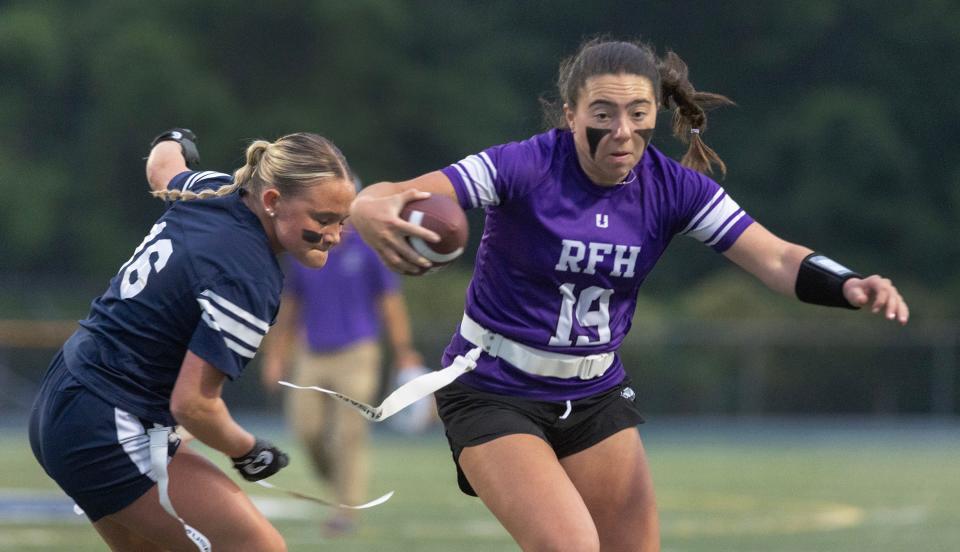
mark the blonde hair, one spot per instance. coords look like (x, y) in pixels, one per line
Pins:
(291, 164)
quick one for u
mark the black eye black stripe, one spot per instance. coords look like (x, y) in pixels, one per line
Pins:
(594, 135)
(310, 236)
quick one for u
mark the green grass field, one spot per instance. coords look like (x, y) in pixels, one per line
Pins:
(836, 485)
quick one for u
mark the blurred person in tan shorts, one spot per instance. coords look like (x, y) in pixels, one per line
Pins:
(327, 335)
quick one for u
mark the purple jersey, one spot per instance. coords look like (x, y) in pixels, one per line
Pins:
(340, 303)
(561, 258)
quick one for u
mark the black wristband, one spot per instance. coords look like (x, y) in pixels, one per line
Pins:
(820, 281)
(188, 144)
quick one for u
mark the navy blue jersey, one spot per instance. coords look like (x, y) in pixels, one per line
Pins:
(203, 279)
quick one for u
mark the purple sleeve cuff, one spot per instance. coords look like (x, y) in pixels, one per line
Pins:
(463, 196)
(733, 233)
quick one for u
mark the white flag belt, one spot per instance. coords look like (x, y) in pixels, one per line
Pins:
(408, 393)
(534, 361)
(159, 455)
(371, 504)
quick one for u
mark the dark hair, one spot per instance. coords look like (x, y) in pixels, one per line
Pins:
(669, 77)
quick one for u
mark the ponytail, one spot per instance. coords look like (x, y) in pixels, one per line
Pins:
(254, 155)
(689, 113)
(185, 195)
(291, 164)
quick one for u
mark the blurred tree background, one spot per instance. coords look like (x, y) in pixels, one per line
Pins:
(844, 138)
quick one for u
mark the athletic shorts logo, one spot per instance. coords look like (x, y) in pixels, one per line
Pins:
(628, 393)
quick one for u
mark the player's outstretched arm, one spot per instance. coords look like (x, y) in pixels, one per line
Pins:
(171, 152)
(797, 271)
(197, 406)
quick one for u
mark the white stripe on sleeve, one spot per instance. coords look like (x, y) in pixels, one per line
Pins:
(192, 179)
(714, 219)
(238, 347)
(212, 175)
(482, 175)
(471, 189)
(236, 311)
(726, 228)
(702, 211)
(489, 163)
(237, 335)
(199, 177)
(231, 343)
(226, 324)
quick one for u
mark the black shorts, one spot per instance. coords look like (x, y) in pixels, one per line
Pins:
(472, 417)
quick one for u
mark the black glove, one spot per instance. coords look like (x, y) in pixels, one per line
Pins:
(261, 462)
(188, 144)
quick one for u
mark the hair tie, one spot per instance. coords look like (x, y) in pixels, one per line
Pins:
(694, 131)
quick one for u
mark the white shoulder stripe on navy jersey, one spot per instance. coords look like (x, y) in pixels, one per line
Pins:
(231, 325)
(196, 178)
(236, 311)
(241, 331)
(238, 347)
(193, 179)
(213, 175)
(232, 344)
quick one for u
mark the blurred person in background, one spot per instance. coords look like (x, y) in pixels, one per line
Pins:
(544, 427)
(186, 312)
(327, 335)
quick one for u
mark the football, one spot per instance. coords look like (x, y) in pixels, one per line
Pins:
(442, 215)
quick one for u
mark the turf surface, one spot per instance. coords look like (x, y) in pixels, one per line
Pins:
(790, 485)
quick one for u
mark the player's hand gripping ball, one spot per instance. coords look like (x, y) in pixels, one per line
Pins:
(442, 215)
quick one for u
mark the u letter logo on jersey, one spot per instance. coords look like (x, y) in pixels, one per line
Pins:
(602, 221)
